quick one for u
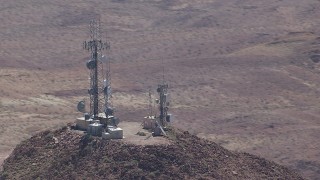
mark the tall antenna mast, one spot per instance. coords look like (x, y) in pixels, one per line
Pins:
(162, 71)
(150, 103)
(163, 100)
(158, 124)
(95, 45)
(100, 121)
(107, 87)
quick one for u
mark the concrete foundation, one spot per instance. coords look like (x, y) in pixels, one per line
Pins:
(95, 129)
(106, 135)
(115, 133)
(82, 123)
(149, 122)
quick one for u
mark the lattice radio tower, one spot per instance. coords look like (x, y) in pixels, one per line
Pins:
(162, 90)
(100, 89)
(163, 104)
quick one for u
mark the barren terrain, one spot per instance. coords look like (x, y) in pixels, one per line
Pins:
(241, 72)
(66, 154)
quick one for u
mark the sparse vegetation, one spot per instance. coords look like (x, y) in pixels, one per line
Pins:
(227, 55)
(77, 156)
(141, 133)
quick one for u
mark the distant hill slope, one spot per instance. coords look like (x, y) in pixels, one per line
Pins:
(241, 72)
(65, 154)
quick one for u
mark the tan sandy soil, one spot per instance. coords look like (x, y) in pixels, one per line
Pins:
(240, 72)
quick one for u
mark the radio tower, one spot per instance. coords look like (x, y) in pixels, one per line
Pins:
(99, 85)
(163, 99)
(163, 104)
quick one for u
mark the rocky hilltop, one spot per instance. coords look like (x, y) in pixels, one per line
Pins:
(68, 154)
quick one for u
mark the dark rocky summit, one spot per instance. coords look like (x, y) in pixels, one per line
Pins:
(66, 154)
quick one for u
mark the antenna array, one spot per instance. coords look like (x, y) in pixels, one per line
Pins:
(100, 90)
(163, 104)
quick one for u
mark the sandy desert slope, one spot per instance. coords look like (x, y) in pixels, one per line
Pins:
(240, 72)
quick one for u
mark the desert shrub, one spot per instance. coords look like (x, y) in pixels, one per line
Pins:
(141, 133)
(85, 140)
(3, 175)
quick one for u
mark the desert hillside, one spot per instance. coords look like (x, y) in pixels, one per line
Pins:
(65, 154)
(241, 72)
